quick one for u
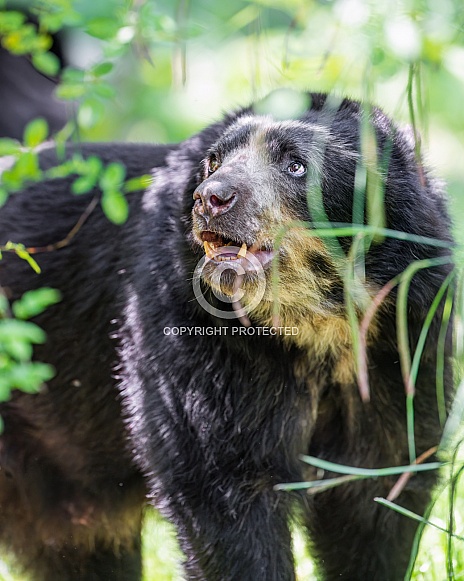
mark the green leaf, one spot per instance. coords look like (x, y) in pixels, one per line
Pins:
(47, 63)
(102, 69)
(16, 330)
(42, 371)
(4, 305)
(68, 92)
(115, 206)
(22, 40)
(93, 166)
(11, 179)
(113, 176)
(82, 185)
(103, 28)
(73, 76)
(30, 377)
(5, 390)
(104, 90)
(34, 302)
(60, 171)
(11, 20)
(90, 169)
(137, 184)
(35, 132)
(3, 196)
(19, 349)
(9, 146)
(27, 166)
(51, 21)
(91, 111)
(42, 43)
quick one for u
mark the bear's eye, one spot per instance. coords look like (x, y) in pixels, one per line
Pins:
(296, 168)
(213, 165)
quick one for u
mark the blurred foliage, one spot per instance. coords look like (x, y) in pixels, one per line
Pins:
(89, 173)
(159, 70)
(17, 338)
(168, 68)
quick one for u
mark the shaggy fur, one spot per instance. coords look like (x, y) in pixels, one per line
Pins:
(211, 423)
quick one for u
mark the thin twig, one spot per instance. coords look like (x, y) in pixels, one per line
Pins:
(363, 380)
(72, 233)
(404, 478)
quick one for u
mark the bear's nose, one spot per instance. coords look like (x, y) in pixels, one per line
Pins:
(213, 199)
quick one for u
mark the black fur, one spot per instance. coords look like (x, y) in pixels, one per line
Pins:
(214, 422)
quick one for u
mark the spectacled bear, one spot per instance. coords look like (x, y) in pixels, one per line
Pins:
(173, 383)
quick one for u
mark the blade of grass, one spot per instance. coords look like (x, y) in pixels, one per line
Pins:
(459, 316)
(403, 339)
(426, 326)
(454, 479)
(440, 368)
(419, 532)
(413, 79)
(402, 311)
(341, 229)
(408, 513)
(350, 286)
(454, 422)
(368, 472)
(410, 426)
(316, 486)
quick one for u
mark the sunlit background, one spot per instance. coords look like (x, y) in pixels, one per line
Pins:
(178, 65)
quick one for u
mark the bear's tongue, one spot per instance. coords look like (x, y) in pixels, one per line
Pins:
(220, 248)
(218, 251)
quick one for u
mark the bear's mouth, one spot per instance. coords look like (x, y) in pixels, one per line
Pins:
(221, 248)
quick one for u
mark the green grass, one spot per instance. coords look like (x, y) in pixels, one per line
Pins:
(433, 554)
(162, 557)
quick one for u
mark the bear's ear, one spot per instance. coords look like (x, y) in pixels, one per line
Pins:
(409, 136)
(406, 133)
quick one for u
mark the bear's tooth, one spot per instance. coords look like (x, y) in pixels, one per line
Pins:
(242, 252)
(208, 250)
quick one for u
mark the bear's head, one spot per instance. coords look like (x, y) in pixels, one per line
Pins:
(251, 212)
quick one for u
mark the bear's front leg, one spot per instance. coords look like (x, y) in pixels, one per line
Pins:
(244, 538)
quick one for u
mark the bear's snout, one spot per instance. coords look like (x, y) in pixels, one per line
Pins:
(213, 198)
